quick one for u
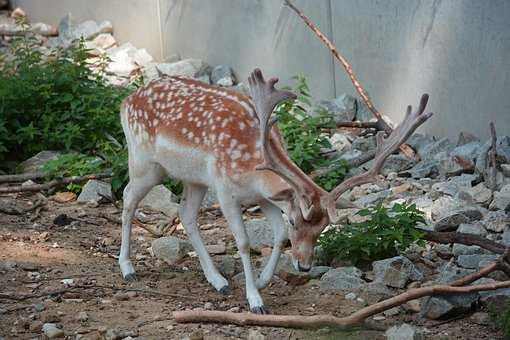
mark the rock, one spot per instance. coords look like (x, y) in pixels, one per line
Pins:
(364, 144)
(82, 316)
(52, 331)
(449, 305)
(64, 197)
(430, 151)
(497, 297)
(428, 168)
(187, 68)
(501, 199)
(396, 271)
(467, 151)
(255, 335)
(260, 233)
(478, 194)
(318, 271)
(95, 190)
(374, 292)
(216, 249)
(343, 108)
(461, 249)
(404, 332)
(419, 141)
(150, 72)
(480, 318)
(227, 266)
(496, 221)
(373, 198)
(208, 306)
(340, 142)
(142, 58)
(35, 163)
(466, 137)
(35, 327)
(222, 75)
(170, 249)
(210, 199)
(473, 261)
(104, 41)
(451, 221)
(397, 163)
(475, 229)
(122, 60)
(342, 279)
(161, 199)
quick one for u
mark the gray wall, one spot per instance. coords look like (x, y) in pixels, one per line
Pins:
(456, 50)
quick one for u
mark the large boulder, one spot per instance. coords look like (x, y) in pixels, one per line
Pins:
(396, 271)
(170, 249)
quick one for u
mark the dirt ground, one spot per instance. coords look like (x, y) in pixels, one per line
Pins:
(36, 255)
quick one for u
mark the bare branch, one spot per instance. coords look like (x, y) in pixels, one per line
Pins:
(382, 124)
(387, 146)
(21, 177)
(317, 321)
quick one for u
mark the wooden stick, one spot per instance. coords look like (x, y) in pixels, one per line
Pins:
(317, 321)
(406, 149)
(21, 177)
(466, 239)
(360, 125)
(51, 184)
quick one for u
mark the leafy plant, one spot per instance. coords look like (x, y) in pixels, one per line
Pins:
(499, 313)
(56, 103)
(304, 129)
(384, 234)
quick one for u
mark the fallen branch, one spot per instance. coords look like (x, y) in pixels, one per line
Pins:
(359, 125)
(20, 31)
(21, 177)
(492, 155)
(466, 239)
(317, 321)
(381, 123)
(51, 184)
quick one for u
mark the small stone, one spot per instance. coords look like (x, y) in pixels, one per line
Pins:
(474, 229)
(159, 198)
(96, 191)
(342, 279)
(186, 67)
(121, 296)
(208, 306)
(340, 142)
(396, 271)
(461, 249)
(392, 311)
(404, 332)
(36, 327)
(260, 233)
(216, 249)
(496, 221)
(473, 261)
(64, 197)
(505, 169)
(104, 41)
(52, 331)
(343, 108)
(454, 218)
(480, 318)
(170, 249)
(255, 335)
(350, 296)
(501, 199)
(82, 316)
(222, 75)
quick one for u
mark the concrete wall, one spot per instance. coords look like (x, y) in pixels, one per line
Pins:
(456, 50)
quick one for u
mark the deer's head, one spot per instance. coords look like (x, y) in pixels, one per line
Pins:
(310, 208)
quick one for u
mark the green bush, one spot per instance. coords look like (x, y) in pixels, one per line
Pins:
(55, 104)
(384, 234)
(499, 314)
(305, 135)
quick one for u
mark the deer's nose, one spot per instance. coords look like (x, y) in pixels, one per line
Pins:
(304, 268)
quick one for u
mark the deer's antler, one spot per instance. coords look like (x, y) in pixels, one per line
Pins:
(385, 147)
(265, 97)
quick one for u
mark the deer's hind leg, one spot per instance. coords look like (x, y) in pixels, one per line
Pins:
(143, 176)
(190, 205)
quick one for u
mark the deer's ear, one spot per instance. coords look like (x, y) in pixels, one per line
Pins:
(284, 195)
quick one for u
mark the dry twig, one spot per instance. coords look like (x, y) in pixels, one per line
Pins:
(51, 184)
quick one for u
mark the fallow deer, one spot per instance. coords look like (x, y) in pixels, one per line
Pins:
(210, 137)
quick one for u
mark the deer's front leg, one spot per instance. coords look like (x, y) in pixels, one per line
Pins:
(232, 212)
(275, 219)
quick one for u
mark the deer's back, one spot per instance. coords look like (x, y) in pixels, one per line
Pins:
(184, 117)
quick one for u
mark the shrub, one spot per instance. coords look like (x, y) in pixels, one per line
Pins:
(305, 135)
(384, 234)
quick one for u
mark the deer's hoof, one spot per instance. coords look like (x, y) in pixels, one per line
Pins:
(260, 310)
(131, 277)
(225, 290)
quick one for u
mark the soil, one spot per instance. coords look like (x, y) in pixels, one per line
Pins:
(36, 255)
